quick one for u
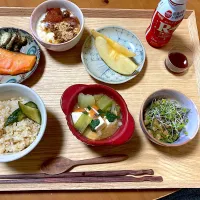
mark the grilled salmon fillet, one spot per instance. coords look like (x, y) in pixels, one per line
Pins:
(13, 63)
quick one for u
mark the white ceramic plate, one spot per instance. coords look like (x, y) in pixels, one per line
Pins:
(98, 69)
(14, 90)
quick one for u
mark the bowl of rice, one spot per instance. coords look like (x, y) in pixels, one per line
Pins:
(20, 137)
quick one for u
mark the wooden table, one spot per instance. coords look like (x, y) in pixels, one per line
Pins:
(98, 195)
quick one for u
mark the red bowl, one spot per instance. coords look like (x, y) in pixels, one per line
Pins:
(70, 98)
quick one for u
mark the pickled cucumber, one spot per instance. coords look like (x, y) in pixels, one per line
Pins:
(31, 104)
(31, 113)
(14, 117)
(18, 115)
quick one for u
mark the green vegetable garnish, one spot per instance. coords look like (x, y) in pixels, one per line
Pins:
(111, 117)
(101, 112)
(89, 108)
(94, 123)
(165, 119)
(85, 112)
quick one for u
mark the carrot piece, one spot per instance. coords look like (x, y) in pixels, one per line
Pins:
(79, 110)
(13, 63)
(95, 107)
(92, 112)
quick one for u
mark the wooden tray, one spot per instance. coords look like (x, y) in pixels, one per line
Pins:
(178, 166)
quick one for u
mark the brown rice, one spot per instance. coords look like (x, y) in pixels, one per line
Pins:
(19, 135)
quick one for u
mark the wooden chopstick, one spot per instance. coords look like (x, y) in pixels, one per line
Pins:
(85, 180)
(80, 174)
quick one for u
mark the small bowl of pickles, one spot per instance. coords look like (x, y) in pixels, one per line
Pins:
(169, 118)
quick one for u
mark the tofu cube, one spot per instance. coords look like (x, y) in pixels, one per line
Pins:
(106, 121)
(101, 125)
(76, 116)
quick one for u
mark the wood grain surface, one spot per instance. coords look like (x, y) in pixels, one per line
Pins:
(121, 4)
(92, 195)
(57, 71)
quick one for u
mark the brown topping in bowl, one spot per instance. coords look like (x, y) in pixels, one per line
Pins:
(53, 15)
(73, 21)
(62, 23)
(66, 13)
(63, 31)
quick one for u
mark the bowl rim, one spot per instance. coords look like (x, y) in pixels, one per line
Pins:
(109, 82)
(37, 59)
(150, 137)
(40, 134)
(46, 2)
(103, 142)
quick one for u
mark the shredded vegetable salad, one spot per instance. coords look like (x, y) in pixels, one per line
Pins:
(165, 119)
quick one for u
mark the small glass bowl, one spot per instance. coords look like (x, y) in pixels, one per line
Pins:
(174, 66)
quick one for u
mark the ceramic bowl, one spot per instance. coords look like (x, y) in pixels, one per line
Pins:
(30, 48)
(192, 126)
(42, 8)
(98, 69)
(11, 90)
(69, 100)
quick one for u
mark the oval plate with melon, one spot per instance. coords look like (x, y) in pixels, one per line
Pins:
(31, 48)
(106, 61)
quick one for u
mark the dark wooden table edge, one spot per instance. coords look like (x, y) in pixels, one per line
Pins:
(12, 189)
(90, 12)
(86, 190)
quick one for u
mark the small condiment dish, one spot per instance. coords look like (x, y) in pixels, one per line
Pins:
(70, 98)
(179, 59)
(42, 8)
(192, 126)
(13, 90)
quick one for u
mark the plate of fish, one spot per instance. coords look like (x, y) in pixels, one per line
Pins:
(19, 55)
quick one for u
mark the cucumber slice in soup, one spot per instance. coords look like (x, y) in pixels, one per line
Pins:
(104, 103)
(97, 96)
(85, 100)
(83, 122)
(31, 113)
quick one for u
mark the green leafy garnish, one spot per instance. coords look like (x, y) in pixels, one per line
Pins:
(111, 117)
(101, 112)
(165, 119)
(94, 123)
(85, 112)
(89, 108)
